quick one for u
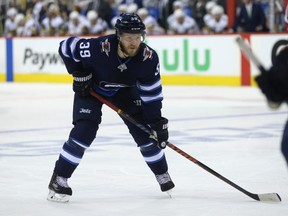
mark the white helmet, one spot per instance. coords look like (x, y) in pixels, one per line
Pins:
(178, 13)
(74, 15)
(11, 12)
(19, 17)
(132, 8)
(91, 15)
(142, 12)
(122, 8)
(209, 5)
(177, 4)
(217, 9)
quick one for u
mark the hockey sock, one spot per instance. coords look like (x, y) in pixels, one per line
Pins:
(70, 157)
(154, 157)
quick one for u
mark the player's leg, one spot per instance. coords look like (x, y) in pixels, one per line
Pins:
(86, 119)
(152, 154)
(154, 157)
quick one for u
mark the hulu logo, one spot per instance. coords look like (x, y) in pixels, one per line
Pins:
(192, 59)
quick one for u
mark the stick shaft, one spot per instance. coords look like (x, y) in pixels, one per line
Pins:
(250, 55)
(213, 172)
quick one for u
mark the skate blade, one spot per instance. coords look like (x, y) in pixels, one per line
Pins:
(54, 197)
(169, 193)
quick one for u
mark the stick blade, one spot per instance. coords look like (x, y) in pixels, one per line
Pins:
(269, 197)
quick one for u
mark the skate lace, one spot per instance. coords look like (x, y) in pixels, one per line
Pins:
(62, 181)
(163, 178)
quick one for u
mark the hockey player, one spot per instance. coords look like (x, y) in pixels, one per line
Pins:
(126, 72)
(274, 85)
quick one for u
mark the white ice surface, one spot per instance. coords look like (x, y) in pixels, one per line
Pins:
(229, 129)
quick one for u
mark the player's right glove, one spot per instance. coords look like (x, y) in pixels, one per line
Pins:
(160, 131)
(82, 83)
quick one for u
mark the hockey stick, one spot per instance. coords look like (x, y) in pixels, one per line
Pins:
(259, 197)
(249, 54)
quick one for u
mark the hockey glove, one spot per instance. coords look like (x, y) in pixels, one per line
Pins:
(82, 83)
(160, 132)
(268, 86)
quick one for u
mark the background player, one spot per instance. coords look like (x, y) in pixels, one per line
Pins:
(274, 85)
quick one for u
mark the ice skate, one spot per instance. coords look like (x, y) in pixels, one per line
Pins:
(59, 190)
(165, 183)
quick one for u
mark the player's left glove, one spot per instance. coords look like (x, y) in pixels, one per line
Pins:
(160, 132)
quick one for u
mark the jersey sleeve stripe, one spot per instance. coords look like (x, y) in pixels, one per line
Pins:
(64, 49)
(73, 48)
(68, 48)
(151, 98)
(149, 87)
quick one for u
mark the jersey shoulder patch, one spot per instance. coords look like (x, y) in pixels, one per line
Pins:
(147, 53)
(105, 46)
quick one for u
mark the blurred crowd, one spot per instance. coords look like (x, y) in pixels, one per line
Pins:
(96, 17)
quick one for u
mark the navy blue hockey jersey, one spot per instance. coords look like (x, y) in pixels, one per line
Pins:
(110, 72)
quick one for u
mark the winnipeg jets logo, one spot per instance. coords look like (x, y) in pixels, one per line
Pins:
(87, 111)
(105, 47)
(147, 53)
